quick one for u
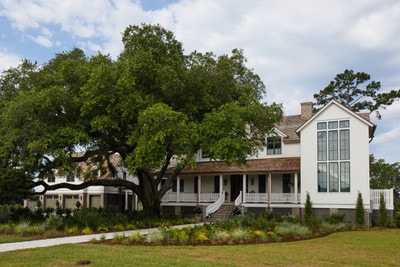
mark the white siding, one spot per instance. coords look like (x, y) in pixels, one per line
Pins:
(359, 162)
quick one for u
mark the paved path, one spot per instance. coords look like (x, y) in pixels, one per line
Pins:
(72, 239)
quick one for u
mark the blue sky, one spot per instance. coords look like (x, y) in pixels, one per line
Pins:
(296, 47)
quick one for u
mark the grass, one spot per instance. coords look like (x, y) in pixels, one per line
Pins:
(358, 248)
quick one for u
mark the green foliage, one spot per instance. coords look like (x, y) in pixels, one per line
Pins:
(54, 221)
(87, 231)
(22, 227)
(346, 88)
(220, 236)
(155, 237)
(384, 175)
(308, 212)
(360, 213)
(136, 236)
(397, 219)
(335, 218)
(149, 104)
(239, 234)
(5, 214)
(383, 212)
(87, 218)
(292, 230)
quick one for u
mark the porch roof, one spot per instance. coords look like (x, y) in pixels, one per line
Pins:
(251, 166)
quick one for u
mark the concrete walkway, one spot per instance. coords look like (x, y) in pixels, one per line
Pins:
(73, 239)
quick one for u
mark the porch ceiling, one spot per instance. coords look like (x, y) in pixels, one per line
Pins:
(251, 166)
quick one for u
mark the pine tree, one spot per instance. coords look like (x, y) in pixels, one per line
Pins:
(308, 212)
(383, 213)
(360, 219)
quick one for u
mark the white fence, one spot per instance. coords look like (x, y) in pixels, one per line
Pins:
(275, 197)
(190, 197)
(375, 196)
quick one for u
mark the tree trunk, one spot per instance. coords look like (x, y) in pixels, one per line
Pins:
(150, 193)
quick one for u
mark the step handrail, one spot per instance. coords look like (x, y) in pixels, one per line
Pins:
(238, 200)
(216, 205)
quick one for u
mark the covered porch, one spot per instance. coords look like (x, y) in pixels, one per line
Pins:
(261, 181)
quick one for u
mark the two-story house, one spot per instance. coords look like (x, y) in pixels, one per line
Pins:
(325, 154)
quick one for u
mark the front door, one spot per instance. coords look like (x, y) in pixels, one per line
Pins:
(236, 186)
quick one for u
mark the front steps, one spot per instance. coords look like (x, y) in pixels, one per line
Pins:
(224, 212)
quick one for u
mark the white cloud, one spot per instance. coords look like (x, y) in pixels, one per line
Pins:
(42, 40)
(8, 60)
(296, 47)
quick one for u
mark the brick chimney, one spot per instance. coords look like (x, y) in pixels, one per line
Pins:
(306, 110)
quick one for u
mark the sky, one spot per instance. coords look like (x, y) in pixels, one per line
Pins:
(297, 47)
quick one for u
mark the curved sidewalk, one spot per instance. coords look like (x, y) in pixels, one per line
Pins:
(73, 239)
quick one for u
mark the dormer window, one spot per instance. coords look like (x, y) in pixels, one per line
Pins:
(274, 145)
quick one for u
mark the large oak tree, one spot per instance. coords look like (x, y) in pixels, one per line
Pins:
(153, 105)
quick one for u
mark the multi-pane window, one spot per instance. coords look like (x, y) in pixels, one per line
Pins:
(274, 145)
(333, 155)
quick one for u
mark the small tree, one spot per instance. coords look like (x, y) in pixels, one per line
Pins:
(360, 219)
(383, 213)
(308, 212)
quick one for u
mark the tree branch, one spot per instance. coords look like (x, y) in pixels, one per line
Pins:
(102, 182)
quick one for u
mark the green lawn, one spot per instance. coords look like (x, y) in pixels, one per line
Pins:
(359, 248)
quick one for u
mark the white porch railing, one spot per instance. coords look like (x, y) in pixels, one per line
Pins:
(190, 197)
(238, 200)
(375, 196)
(216, 205)
(275, 197)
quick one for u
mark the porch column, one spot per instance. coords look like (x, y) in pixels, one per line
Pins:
(178, 188)
(296, 187)
(244, 188)
(269, 191)
(221, 183)
(126, 199)
(198, 188)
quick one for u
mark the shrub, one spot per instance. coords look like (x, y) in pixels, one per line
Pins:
(383, 213)
(308, 212)
(102, 238)
(155, 237)
(54, 221)
(360, 219)
(22, 227)
(52, 233)
(71, 230)
(87, 218)
(37, 229)
(118, 227)
(239, 234)
(87, 231)
(293, 230)
(7, 228)
(136, 236)
(220, 236)
(397, 219)
(261, 235)
(335, 218)
(5, 214)
(118, 238)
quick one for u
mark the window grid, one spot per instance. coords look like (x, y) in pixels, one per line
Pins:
(274, 145)
(333, 155)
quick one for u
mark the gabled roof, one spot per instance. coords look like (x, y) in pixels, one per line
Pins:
(362, 117)
(288, 126)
